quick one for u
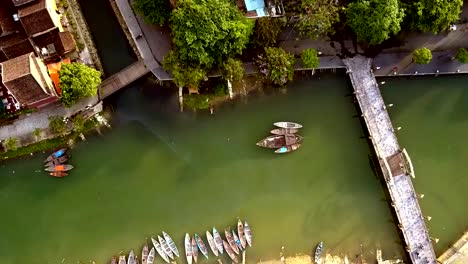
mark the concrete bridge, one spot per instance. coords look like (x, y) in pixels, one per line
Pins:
(394, 162)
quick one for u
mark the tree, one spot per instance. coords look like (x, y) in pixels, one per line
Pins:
(37, 133)
(433, 16)
(279, 65)
(232, 69)
(310, 58)
(153, 11)
(183, 75)
(78, 124)
(317, 18)
(57, 125)
(374, 21)
(462, 55)
(422, 56)
(11, 143)
(267, 30)
(77, 81)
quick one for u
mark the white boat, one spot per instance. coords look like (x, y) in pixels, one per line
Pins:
(287, 125)
(160, 250)
(248, 233)
(165, 247)
(211, 242)
(122, 259)
(231, 241)
(131, 257)
(188, 248)
(194, 250)
(171, 243)
(144, 254)
(150, 259)
(229, 251)
(318, 252)
(240, 231)
(218, 240)
(237, 240)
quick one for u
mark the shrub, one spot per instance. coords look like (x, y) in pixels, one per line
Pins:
(197, 101)
(422, 56)
(462, 55)
(11, 143)
(310, 58)
(57, 125)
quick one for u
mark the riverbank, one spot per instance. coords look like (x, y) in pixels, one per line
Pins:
(327, 259)
(457, 253)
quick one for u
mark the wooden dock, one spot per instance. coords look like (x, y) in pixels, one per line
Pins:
(121, 79)
(394, 162)
(457, 253)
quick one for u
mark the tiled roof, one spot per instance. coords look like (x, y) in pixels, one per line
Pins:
(21, 2)
(35, 18)
(68, 42)
(22, 46)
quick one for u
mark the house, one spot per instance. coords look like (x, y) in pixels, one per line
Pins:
(27, 80)
(261, 8)
(39, 16)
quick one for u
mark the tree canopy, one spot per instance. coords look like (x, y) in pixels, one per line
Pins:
(232, 69)
(183, 75)
(57, 125)
(153, 11)
(310, 58)
(77, 81)
(317, 17)
(431, 15)
(280, 65)
(462, 55)
(267, 30)
(422, 56)
(374, 21)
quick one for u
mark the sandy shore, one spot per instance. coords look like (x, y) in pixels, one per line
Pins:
(305, 259)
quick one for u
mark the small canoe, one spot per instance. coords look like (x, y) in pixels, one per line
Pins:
(57, 161)
(201, 246)
(218, 240)
(211, 242)
(58, 174)
(122, 259)
(229, 251)
(240, 231)
(287, 149)
(284, 131)
(318, 252)
(113, 260)
(237, 240)
(277, 141)
(248, 233)
(231, 241)
(131, 257)
(165, 247)
(194, 250)
(144, 254)
(171, 243)
(56, 154)
(287, 125)
(160, 250)
(188, 248)
(63, 167)
(150, 259)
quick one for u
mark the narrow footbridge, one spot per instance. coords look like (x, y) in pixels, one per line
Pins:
(122, 78)
(395, 163)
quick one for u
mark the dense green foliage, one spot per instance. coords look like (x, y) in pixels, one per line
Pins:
(197, 101)
(11, 143)
(78, 124)
(374, 21)
(422, 56)
(267, 30)
(36, 133)
(232, 69)
(77, 81)
(462, 55)
(310, 58)
(317, 17)
(279, 65)
(153, 11)
(57, 125)
(432, 15)
(184, 75)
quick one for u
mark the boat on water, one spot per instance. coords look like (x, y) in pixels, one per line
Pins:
(63, 167)
(131, 257)
(56, 154)
(229, 251)
(194, 250)
(171, 243)
(211, 242)
(284, 131)
(201, 246)
(113, 260)
(58, 174)
(160, 250)
(237, 240)
(318, 252)
(218, 240)
(231, 241)
(287, 149)
(188, 248)
(122, 259)
(277, 141)
(248, 233)
(165, 247)
(240, 231)
(57, 161)
(144, 254)
(287, 125)
(150, 259)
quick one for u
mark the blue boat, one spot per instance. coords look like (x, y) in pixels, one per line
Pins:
(287, 149)
(237, 240)
(201, 246)
(57, 154)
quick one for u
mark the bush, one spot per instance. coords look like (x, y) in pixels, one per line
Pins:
(422, 56)
(220, 89)
(197, 101)
(78, 124)
(279, 65)
(37, 133)
(57, 125)
(462, 55)
(11, 143)
(310, 58)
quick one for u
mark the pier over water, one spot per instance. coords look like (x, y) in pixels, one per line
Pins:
(394, 162)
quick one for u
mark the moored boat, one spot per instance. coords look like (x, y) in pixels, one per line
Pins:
(160, 250)
(240, 231)
(194, 250)
(56, 154)
(165, 247)
(63, 167)
(211, 242)
(58, 174)
(229, 251)
(122, 259)
(188, 248)
(201, 246)
(287, 149)
(287, 125)
(237, 240)
(248, 233)
(113, 260)
(144, 254)
(150, 259)
(131, 257)
(277, 141)
(171, 243)
(57, 161)
(318, 252)
(231, 241)
(284, 131)
(218, 240)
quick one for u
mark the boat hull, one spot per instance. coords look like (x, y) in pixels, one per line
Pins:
(278, 141)
(201, 246)
(188, 248)
(287, 125)
(229, 251)
(284, 131)
(171, 243)
(211, 242)
(56, 154)
(160, 250)
(144, 254)
(240, 231)
(237, 240)
(231, 241)
(57, 161)
(152, 254)
(318, 252)
(64, 167)
(165, 247)
(194, 250)
(287, 149)
(248, 233)
(218, 240)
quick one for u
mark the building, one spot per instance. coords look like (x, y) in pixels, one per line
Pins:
(261, 8)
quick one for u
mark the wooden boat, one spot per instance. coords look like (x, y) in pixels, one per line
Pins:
(58, 174)
(231, 241)
(237, 240)
(113, 260)
(188, 248)
(122, 259)
(248, 233)
(241, 232)
(218, 240)
(63, 167)
(318, 252)
(194, 250)
(171, 243)
(284, 131)
(229, 251)
(56, 154)
(160, 250)
(277, 141)
(211, 242)
(287, 125)
(131, 257)
(201, 246)
(57, 161)
(144, 254)
(287, 149)
(150, 259)
(165, 247)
